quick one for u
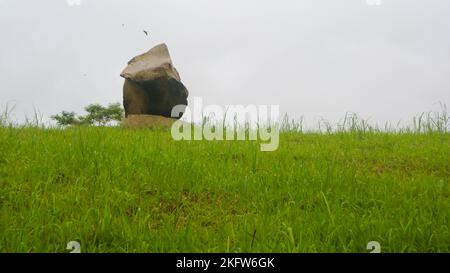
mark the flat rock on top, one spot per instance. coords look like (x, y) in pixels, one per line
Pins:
(154, 64)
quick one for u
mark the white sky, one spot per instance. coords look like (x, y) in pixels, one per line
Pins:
(314, 58)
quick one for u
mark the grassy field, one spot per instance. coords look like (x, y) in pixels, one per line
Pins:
(118, 190)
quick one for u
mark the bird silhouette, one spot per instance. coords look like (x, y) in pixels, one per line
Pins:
(146, 32)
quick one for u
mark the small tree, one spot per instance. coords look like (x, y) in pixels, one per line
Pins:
(114, 112)
(96, 114)
(66, 118)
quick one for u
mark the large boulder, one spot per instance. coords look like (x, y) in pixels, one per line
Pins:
(153, 85)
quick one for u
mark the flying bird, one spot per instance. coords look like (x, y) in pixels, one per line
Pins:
(146, 32)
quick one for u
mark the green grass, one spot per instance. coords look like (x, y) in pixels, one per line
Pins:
(118, 190)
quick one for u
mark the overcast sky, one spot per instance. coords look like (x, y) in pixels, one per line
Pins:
(314, 58)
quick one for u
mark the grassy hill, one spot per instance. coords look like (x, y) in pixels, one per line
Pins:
(119, 190)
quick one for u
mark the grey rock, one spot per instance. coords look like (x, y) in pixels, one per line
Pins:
(152, 84)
